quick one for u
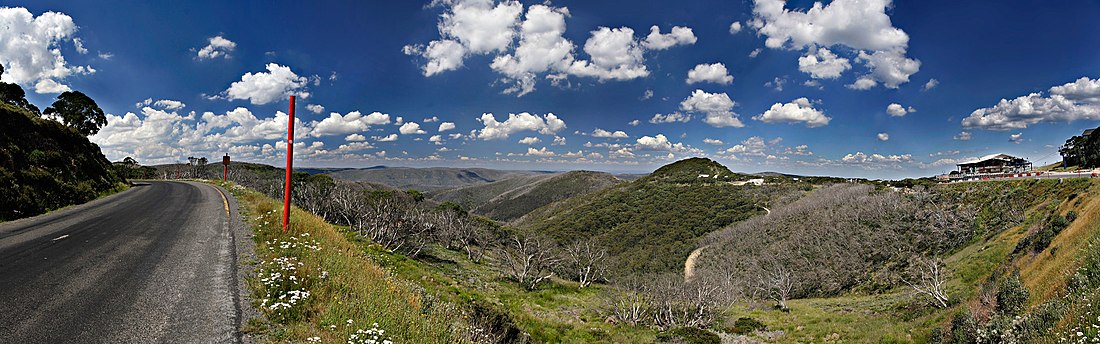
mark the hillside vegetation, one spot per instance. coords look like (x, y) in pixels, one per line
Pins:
(46, 165)
(508, 199)
(427, 179)
(652, 224)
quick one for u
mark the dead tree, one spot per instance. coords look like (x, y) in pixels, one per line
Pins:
(776, 281)
(529, 259)
(928, 276)
(585, 262)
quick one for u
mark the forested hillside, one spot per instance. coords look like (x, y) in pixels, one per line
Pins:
(508, 199)
(46, 165)
(652, 224)
(427, 179)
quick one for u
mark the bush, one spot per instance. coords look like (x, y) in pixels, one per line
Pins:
(1042, 239)
(690, 335)
(964, 328)
(1071, 216)
(1039, 322)
(746, 326)
(1011, 296)
(1057, 223)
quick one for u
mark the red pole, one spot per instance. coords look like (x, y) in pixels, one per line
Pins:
(225, 172)
(289, 165)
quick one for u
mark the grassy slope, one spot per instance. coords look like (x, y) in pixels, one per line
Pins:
(427, 179)
(356, 289)
(899, 316)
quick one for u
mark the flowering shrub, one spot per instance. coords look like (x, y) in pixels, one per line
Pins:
(374, 335)
(285, 288)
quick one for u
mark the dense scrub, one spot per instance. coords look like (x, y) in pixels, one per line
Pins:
(45, 165)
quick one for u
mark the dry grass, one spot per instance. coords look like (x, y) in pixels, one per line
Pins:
(355, 288)
(1045, 274)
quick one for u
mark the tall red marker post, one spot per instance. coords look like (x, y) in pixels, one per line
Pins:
(225, 167)
(289, 165)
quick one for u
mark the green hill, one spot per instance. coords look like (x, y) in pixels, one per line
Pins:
(508, 199)
(45, 165)
(652, 224)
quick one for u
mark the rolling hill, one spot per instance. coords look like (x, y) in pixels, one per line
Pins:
(651, 224)
(428, 179)
(508, 199)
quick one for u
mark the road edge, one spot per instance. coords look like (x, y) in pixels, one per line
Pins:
(243, 267)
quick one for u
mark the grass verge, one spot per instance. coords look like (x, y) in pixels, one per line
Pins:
(313, 285)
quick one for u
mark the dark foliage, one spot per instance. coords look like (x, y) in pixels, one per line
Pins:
(689, 335)
(78, 111)
(1011, 296)
(746, 326)
(44, 165)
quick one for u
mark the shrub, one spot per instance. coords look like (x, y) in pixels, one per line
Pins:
(1039, 322)
(1011, 296)
(963, 328)
(746, 326)
(1071, 216)
(1057, 223)
(1042, 239)
(690, 335)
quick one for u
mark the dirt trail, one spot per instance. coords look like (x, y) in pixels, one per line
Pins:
(689, 264)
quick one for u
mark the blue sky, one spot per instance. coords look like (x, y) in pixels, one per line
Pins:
(217, 74)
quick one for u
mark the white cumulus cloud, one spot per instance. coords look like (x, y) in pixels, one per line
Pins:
(410, 128)
(30, 52)
(896, 110)
(714, 72)
(718, 108)
(618, 134)
(218, 47)
(1078, 100)
(548, 124)
(679, 35)
(823, 64)
(266, 87)
(797, 111)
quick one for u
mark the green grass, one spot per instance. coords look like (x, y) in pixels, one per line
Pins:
(355, 288)
(559, 312)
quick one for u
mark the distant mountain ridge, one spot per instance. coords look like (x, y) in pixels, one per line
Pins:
(508, 199)
(430, 178)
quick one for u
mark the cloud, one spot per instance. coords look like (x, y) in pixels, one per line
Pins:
(410, 128)
(861, 158)
(634, 123)
(218, 47)
(355, 138)
(896, 110)
(78, 45)
(619, 134)
(658, 143)
(30, 51)
(646, 95)
(797, 111)
(863, 83)
(1078, 100)
(315, 108)
(543, 152)
(1016, 138)
(776, 84)
(530, 140)
(755, 52)
(718, 108)
(387, 138)
(963, 136)
(541, 49)
(679, 35)
(715, 72)
(891, 68)
(156, 136)
(735, 27)
(670, 118)
(446, 126)
(548, 124)
(715, 142)
(468, 27)
(432, 119)
(860, 25)
(823, 64)
(437, 139)
(883, 137)
(353, 122)
(615, 55)
(752, 146)
(932, 83)
(558, 141)
(266, 87)
(169, 104)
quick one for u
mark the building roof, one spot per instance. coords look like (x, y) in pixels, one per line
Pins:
(998, 156)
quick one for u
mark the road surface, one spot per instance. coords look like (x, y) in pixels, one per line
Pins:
(153, 264)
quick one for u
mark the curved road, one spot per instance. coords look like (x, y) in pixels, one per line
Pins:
(156, 263)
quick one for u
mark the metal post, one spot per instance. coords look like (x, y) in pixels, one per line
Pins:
(289, 165)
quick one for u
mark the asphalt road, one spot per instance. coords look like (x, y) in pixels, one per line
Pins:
(154, 264)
